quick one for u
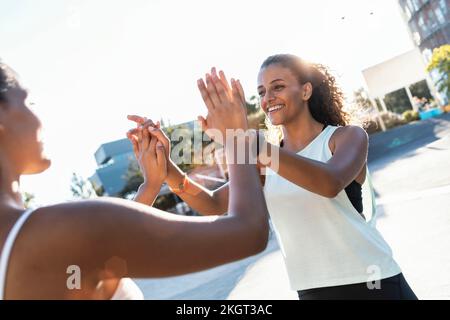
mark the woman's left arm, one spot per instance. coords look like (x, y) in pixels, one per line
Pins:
(327, 179)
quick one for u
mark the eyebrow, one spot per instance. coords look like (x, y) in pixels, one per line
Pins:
(271, 82)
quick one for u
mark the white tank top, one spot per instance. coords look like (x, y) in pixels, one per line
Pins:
(325, 242)
(126, 290)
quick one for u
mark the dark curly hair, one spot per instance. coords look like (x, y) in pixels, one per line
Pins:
(327, 99)
(8, 81)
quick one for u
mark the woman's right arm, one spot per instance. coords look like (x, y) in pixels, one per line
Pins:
(204, 201)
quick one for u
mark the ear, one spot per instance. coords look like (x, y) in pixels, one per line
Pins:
(307, 91)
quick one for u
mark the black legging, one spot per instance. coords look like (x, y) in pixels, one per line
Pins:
(394, 288)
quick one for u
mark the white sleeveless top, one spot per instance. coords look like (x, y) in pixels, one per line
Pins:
(126, 290)
(325, 242)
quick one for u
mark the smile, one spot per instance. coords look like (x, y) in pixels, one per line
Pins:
(275, 108)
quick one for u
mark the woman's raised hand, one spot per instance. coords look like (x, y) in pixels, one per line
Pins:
(150, 154)
(225, 103)
(155, 130)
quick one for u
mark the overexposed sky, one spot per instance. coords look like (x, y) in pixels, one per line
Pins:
(89, 63)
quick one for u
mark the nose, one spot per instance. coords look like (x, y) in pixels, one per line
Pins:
(267, 99)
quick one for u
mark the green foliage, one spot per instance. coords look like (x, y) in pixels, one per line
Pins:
(99, 191)
(440, 61)
(257, 120)
(361, 99)
(28, 199)
(255, 115)
(390, 119)
(410, 115)
(81, 188)
(252, 105)
(133, 178)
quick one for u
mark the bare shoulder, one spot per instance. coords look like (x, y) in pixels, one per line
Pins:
(69, 230)
(59, 236)
(350, 135)
(86, 215)
(72, 213)
(350, 131)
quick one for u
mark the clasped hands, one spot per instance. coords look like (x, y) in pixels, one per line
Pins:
(226, 106)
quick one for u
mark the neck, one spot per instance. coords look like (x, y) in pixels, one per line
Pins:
(301, 130)
(10, 187)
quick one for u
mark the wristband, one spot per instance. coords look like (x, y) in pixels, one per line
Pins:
(182, 186)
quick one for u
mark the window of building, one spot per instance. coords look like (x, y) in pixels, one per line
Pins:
(420, 90)
(443, 6)
(397, 101)
(422, 26)
(432, 21)
(438, 13)
(410, 6)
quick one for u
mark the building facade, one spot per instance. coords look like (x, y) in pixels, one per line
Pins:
(113, 160)
(428, 22)
(394, 84)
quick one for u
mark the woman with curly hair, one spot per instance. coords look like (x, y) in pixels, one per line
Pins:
(313, 187)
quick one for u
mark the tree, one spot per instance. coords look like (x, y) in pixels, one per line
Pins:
(362, 111)
(133, 178)
(440, 61)
(28, 199)
(252, 105)
(255, 115)
(361, 99)
(81, 188)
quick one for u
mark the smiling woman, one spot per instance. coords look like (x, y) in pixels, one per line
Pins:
(315, 197)
(313, 186)
(325, 98)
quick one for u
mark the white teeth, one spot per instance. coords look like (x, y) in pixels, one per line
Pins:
(275, 108)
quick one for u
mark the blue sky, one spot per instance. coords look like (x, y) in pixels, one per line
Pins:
(89, 63)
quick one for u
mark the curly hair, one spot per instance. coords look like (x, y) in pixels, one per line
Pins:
(327, 99)
(8, 80)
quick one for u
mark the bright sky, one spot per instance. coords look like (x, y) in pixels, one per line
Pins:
(89, 63)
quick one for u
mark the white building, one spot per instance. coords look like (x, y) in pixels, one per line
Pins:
(398, 74)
